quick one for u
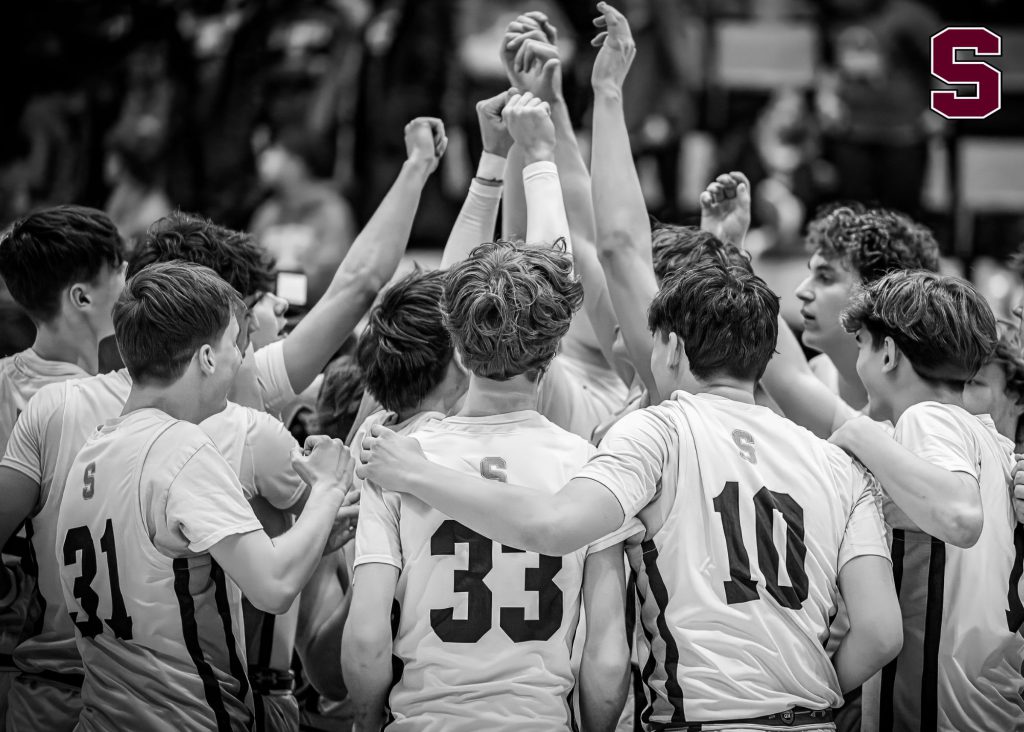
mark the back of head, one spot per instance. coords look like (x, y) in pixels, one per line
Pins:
(337, 404)
(233, 255)
(507, 307)
(51, 249)
(942, 325)
(405, 350)
(1009, 354)
(873, 241)
(165, 313)
(726, 317)
(678, 248)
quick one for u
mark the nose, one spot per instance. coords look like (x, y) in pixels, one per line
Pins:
(804, 292)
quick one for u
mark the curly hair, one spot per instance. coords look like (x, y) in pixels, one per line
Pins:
(942, 325)
(190, 238)
(726, 317)
(508, 305)
(676, 248)
(405, 349)
(1009, 354)
(875, 241)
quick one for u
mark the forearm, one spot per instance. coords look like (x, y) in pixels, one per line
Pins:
(579, 209)
(367, 675)
(476, 220)
(297, 552)
(546, 221)
(513, 202)
(322, 657)
(941, 503)
(603, 692)
(801, 396)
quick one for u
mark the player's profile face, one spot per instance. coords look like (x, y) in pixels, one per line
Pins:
(986, 394)
(267, 317)
(823, 294)
(107, 288)
(869, 367)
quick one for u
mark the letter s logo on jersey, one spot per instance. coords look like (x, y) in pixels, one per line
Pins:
(986, 79)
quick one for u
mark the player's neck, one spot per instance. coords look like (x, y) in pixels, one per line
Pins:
(918, 390)
(62, 341)
(486, 397)
(180, 400)
(729, 388)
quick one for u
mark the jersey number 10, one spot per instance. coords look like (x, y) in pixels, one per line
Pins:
(742, 588)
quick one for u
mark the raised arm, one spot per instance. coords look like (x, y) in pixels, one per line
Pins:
(272, 572)
(519, 516)
(370, 262)
(623, 229)
(542, 75)
(479, 213)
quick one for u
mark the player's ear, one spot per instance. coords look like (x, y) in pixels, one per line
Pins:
(79, 295)
(675, 351)
(890, 355)
(206, 359)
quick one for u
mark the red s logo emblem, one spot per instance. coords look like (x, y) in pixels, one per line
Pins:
(986, 79)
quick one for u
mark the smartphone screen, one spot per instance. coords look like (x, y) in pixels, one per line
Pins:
(292, 287)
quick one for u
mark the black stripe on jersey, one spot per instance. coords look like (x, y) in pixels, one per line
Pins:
(648, 669)
(190, 631)
(261, 713)
(266, 640)
(224, 610)
(31, 566)
(660, 593)
(1015, 608)
(885, 712)
(933, 635)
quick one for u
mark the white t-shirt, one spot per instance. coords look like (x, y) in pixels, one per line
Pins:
(485, 631)
(159, 627)
(960, 667)
(749, 519)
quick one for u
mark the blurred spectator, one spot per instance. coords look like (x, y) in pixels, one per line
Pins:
(781, 155)
(305, 225)
(875, 98)
(137, 197)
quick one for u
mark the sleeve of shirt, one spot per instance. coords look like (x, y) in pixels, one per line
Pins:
(629, 529)
(24, 447)
(932, 433)
(378, 540)
(546, 221)
(270, 446)
(865, 533)
(205, 503)
(475, 223)
(631, 458)
(272, 377)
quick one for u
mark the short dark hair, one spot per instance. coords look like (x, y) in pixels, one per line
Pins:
(941, 324)
(234, 255)
(508, 305)
(875, 241)
(51, 249)
(676, 248)
(337, 404)
(165, 313)
(726, 317)
(405, 349)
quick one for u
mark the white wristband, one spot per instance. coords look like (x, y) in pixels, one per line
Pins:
(541, 167)
(491, 167)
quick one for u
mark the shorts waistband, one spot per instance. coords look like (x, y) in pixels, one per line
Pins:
(795, 717)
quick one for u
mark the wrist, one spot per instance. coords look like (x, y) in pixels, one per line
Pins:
(607, 92)
(420, 167)
(539, 153)
(491, 167)
(327, 486)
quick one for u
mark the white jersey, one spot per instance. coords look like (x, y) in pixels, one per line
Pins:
(45, 442)
(158, 623)
(749, 519)
(569, 396)
(960, 667)
(21, 376)
(484, 631)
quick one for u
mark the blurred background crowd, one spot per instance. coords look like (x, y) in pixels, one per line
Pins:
(285, 117)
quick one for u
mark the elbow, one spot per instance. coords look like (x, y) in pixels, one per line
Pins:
(612, 244)
(276, 600)
(889, 640)
(548, 535)
(964, 524)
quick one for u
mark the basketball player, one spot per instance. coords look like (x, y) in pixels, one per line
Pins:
(158, 626)
(64, 266)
